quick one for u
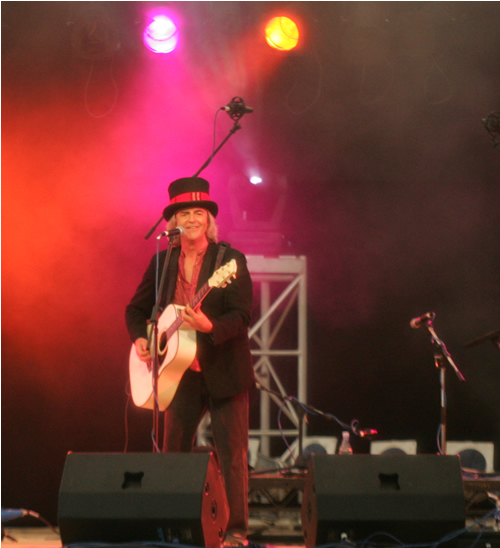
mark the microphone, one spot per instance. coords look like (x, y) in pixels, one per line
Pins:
(417, 322)
(177, 231)
(237, 108)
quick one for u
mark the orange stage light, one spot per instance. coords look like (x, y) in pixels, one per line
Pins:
(282, 33)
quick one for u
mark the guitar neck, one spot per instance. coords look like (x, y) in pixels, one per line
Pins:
(202, 293)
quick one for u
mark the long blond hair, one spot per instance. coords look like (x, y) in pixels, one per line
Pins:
(212, 230)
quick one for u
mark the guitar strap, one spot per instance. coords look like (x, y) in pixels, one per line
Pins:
(172, 278)
(220, 254)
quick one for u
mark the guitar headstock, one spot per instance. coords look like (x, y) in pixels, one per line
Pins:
(223, 275)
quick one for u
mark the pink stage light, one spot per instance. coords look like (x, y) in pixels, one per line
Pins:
(161, 35)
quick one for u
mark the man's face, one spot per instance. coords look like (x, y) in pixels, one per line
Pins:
(194, 221)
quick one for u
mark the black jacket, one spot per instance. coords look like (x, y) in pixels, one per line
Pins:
(224, 354)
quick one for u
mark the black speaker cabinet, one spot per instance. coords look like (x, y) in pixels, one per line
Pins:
(142, 497)
(413, 497)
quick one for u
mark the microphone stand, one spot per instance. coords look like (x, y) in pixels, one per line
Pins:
(153, 321)
(302, 409)
(441, 358)
(153, 345)
(232, 131)
(493, 336)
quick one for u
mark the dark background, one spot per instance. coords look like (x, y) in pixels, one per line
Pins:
(393, 194)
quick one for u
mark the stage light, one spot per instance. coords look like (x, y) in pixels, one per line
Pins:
(255, 180)
(161, 35)
(282, 33)
(257, 212)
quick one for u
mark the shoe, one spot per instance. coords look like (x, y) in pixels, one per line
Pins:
(234, 539)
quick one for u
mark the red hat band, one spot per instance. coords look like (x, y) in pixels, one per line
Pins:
(190, 197)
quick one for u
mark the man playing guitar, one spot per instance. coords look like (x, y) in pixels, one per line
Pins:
(221, 374)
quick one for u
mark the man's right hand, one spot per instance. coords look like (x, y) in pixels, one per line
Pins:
(141, 348)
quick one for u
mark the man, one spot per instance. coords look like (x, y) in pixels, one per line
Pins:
(221, 375)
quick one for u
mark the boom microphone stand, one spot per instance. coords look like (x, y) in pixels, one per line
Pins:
(493, 336)
(153, 345)
(441, 358)
(236, 109)
(302, 409)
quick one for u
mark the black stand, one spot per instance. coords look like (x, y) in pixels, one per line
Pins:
(302, 409)
(441, 358)
(153, 346)
(493, 336)
(300, 461)
(236, 113)
(232, 131)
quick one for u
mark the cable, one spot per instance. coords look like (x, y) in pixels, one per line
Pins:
(127, 406)
(9, 514)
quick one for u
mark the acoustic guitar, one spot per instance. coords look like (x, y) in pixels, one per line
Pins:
(176, 347)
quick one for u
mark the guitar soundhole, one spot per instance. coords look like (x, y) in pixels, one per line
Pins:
(162, 343)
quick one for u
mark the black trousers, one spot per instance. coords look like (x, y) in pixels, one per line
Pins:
(229, 419)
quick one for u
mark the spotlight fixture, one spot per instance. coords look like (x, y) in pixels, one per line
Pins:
(257, 211)
(161, 35)
(282, 33)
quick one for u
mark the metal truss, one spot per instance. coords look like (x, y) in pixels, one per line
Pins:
(281, 283)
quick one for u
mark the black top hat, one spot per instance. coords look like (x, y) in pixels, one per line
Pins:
(189, 192)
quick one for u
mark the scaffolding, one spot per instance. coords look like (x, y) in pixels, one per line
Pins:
(281, 284)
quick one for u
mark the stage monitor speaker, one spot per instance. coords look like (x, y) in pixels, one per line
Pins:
(318, 445)
(393, 447)
(412, 497)
(134, 497)
(475, 455)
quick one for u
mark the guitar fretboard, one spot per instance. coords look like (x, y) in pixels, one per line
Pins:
(202, 293)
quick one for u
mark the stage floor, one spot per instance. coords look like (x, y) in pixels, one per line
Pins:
(278, 535)
(263, 534)
(31, 537)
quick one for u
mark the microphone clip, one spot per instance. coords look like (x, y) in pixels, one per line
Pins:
(237, 108)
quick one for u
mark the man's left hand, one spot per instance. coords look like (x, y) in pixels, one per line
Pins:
(196, 319)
